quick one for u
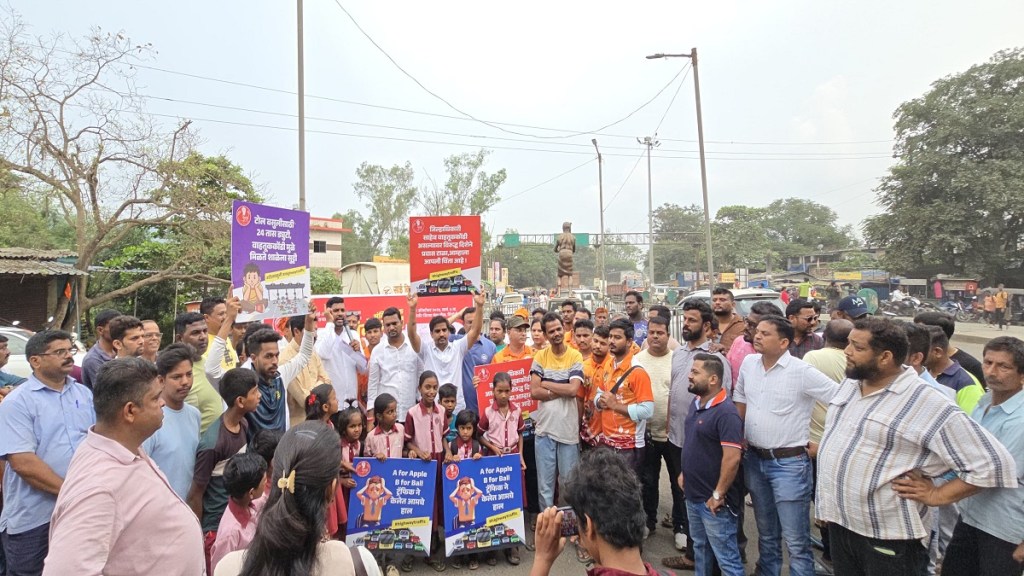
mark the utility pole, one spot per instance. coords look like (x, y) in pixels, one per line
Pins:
(302, 115)
(650, 143)
(703, 168)
(600, 204)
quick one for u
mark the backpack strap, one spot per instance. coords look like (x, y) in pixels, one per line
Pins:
(622, 378)
(357, 561)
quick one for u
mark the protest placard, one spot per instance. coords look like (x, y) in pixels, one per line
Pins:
(391, 508)
(519, 371)
(269, 260)
(444, 255)
(483, 505)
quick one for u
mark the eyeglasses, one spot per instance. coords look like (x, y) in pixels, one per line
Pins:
(62, 353)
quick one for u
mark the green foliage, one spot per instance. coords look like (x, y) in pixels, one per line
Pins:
(677, 253)
(388, 194)
(468, 190)
(748, 237)
(324, 281)
(954, 199)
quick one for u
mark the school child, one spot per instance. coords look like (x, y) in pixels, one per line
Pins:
(424, 439)
(502, 426)
(447, 395)
(387, 439)
(351, 423)
(245, 477)
(322, 405)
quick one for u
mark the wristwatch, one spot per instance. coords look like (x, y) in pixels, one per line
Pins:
(716, 495)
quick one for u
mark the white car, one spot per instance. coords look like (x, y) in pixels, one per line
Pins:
(744, 298)
(18, 364)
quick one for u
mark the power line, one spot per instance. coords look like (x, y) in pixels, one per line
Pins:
(673, 100)
(481, 136)
(474, 118)
(488, 122)
(549, 180)
(623, 185)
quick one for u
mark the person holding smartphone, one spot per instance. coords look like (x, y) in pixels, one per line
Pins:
(609, 525)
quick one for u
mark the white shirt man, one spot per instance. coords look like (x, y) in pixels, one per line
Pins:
(339, 349)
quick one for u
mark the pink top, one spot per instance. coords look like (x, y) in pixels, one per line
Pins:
(350, 450)
(387, 443)
(424, 427)
(237, 527)
(117, 514)
(502, 430)
(739, 350)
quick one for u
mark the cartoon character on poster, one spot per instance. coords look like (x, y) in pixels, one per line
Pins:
(483, 505)
(391, 507)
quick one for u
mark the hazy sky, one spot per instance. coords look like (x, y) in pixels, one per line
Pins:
(798, 96)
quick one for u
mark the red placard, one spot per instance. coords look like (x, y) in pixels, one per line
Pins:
(444, 255)
(365, 306)
(519, 370)
(446, 306)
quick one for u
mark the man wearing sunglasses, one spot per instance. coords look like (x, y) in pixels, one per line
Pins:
(804, 318)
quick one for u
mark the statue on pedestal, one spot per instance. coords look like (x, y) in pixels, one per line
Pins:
(565, 247)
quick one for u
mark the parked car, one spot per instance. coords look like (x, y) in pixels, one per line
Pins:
(18, 363)
(744, 297)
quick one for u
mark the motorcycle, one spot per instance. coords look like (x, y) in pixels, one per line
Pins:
(957, 310)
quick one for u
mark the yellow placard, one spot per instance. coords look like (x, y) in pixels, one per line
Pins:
(505, 517)
(727, 277)
(411, 523)
(848, 276)
(284, 274)
(441, 274)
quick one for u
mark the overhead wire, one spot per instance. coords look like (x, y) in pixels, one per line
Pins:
(548, 181)
(485, 122)
(480, 136)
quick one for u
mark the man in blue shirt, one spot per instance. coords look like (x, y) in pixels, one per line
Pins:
(989, 538)
(710, 460)
(41, 424)
(6, 380)
(480, 353)
(102, 351)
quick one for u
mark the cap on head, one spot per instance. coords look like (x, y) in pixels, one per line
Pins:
(517, 321)
(853, 306)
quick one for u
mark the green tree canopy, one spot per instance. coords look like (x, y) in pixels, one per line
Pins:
(955, 198)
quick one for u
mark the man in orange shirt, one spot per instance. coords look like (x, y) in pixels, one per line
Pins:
(624, 398)
(595, 371)
(1001, 300)
(516, 348)
(373, 331)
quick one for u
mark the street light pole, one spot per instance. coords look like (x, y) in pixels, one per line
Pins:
(302, 114)
(600, 203)
(703, 166)
(650, 143)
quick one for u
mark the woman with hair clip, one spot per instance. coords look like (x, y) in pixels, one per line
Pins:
(290, 539)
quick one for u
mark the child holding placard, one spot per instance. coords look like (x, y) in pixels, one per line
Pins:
(502, 426)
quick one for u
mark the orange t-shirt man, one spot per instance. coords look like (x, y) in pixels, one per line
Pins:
(617, 430)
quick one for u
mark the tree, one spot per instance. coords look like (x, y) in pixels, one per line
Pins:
(74, 128)
(355, 245)
(28, 217)
(469, 190)
(324, 281)
(388, 195)
(674, 252)
(953, 201)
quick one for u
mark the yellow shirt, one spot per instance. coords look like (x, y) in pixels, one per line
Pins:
(1000, 299)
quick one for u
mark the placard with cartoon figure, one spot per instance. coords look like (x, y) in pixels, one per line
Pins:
(391, 508)
(483, 505)
(269, 260)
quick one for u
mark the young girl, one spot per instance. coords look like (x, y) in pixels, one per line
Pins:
(465, 446)
(388, 436)
(502, 427)
(322, 406)
(350, 426)
(424, 430)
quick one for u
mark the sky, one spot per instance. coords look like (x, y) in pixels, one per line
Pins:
(798, 97)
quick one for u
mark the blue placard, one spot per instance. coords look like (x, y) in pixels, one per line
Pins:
(391, 508)
(483, 504)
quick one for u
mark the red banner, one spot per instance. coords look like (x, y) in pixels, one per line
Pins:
(446, 306)
(519, 370)
(444, 255)
(365, 307)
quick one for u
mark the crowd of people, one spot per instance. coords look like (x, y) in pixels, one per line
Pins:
(231, 450)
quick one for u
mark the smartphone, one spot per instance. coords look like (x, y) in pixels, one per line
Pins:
(569, 524)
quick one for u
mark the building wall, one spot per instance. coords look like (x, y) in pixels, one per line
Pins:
(25, 299)
(325, 233)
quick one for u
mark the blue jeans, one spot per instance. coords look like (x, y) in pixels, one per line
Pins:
(26, 551)
(552, 457)
(714, 536)
(781, 490)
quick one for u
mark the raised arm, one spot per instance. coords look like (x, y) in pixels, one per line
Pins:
(414, 337)
(479, 299)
